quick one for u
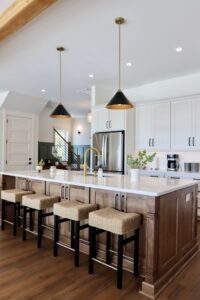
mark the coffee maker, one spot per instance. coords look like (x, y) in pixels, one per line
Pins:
(172, 162)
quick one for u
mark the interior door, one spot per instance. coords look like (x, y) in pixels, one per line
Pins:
(19, 143)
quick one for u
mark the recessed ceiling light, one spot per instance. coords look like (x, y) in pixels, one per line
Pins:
(128, 64)
(179, 49)
(91, 75)
(43, 90)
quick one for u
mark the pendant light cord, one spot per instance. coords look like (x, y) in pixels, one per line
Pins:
(60, 80)
(119, 83)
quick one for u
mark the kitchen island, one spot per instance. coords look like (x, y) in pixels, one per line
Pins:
(168, 236)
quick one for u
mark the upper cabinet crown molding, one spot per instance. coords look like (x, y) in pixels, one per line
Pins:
(19, 14)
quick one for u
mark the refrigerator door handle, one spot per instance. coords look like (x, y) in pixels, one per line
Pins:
(105, 149)
(102, 150)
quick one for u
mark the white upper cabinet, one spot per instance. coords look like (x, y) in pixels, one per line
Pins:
(153, 126)
(185, 130)
(196, 124)
(144, 126)
(104, 119)
(100, 119)
(116, 119)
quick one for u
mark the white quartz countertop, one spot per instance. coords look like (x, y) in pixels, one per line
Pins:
(148, 186)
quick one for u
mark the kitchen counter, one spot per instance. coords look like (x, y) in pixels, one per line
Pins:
(168, 235)
(122, 183)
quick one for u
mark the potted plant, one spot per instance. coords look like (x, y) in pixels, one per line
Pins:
(40, 165)
(138, 162)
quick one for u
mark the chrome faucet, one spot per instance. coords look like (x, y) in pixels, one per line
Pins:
(85, 158)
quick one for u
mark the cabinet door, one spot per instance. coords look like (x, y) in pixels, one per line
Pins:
(181, 133)
(144, 127)
(196, 124)
(116, 120)
(100, 120)
(161, 139)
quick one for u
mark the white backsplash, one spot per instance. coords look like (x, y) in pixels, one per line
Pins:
(161, 159)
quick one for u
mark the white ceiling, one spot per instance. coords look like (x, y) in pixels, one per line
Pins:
(29, 61)
(4, 4)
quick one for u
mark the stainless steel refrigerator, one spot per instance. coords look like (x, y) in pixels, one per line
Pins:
(111, 146)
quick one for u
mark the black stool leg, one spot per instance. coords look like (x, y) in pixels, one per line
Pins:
(72, 234)
(3, 214)
(136, 253)
(15, 205)
(24, 224)
(39, 241)
(92, 248)
(108, 244)
(76, 242)
(31, 219)
(56, 235)
(18, 214)
(119, 261)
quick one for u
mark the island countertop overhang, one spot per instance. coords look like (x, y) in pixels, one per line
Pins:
(147, 186)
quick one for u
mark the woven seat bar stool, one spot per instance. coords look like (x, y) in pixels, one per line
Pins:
(37, 203)
(74, 212)
(112, 221)
(12, 197)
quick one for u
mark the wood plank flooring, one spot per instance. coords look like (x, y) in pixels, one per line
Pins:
(30, 273)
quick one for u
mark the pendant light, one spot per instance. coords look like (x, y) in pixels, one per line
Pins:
(60, 111)
(119, 100)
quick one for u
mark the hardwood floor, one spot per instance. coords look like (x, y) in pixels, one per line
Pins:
(30, 273)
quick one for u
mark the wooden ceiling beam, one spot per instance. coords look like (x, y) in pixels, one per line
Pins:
(20, 13)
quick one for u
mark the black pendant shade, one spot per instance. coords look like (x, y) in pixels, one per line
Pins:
(60, 112)
(119, 101)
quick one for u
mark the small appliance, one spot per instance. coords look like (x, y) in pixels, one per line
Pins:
(172, 162)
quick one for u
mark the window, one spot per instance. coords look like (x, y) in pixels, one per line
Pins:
(61, 147)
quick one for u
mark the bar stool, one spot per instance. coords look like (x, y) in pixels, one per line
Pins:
(37, 203)
(12, 197)
(73, 211)
(114, 222)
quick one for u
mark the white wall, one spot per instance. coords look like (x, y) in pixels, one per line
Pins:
(46, 125)
(84, 138)
(165, 89)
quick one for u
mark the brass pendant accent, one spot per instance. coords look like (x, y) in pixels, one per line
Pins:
(60, 48)
(119, 20)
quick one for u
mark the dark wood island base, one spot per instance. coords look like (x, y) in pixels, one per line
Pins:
(168, 237)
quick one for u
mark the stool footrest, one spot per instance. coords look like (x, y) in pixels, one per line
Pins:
(47, 214)
(83, 226)
(99, 231)
(63, 220)
(128, 240)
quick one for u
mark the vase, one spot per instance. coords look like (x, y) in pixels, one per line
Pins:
(134, 174)
(39, 168)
